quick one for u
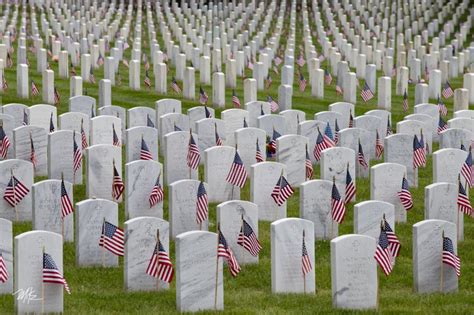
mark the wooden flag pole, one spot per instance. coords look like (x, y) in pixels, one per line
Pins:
(304, 275)
(441, 282)
(332, 217)
(158, 245)
(103, 248)
(217, 267)
(42, 288)
(14, 195)
(61, 214)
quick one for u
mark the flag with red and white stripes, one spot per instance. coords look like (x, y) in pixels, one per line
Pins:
(366, 93)
(447, 91)
(442, 125)
(237, 174)
(224, 251)
(34, 89)
(273, 104)
(258, 154)
(66, 204)
(419, 157)
(235, 100)
(302, 83)
(4, 143)
(160, 265)
(361, 158)
(145, 153)
(338, 208)
(449, 257)
(76, 155)
(306, 265)
(467, 170)
(308, 166)
(350, 187)
(112, 238)
(3, 270)
(464, 205)
(51, 273)
(194, 156)
(405, 195)
(202, 204)
(282, 191)
(203, 97)
(117, 185)
(383, 254)
(379, 146)
(248, 239)
(157, 194)
(393, 242)
(33, 159)
(15, 191)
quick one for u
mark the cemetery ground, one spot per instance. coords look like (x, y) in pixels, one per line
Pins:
(101, 290)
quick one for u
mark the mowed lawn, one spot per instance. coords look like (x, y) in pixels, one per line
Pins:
(101, 290)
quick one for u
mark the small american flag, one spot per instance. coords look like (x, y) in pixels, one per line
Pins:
(449, 257)
(57, 97)
(273, 144)
(66, 204)
(149, 122)
(443, 110)
(464, 205)
(76, 155)
(366, 93)
(237, 174)
(147, 80)
(405, 101)
(327, 77)
(361, 158)
(203, 98)
(308, 166)
(405, 195)
(157, 194)
(282, 191)
(193, 157)
(328, 137)
(100, 60)
(249, 64)
(25, 118)
(338, 208)
(117, 185)
(112, 238)
(427, 73)
(225, 252)
(9, 60)
(302, 83)
(115, 139)
(248, 239)
(447, 91)
(350, 187)
(258, 154)
(379, 146)
(160, 265)
(319, 146)
(268, 82)
(418, 153)
(34, 89)
(300, 61)
(175, 86)
(4, 143)
(91, 76)
(383, 254)
(51, 273)
(467, 170)
(51, 124)
(351, 120)
(219, 141)
(202, 204)
(338, 89)
(3, 270)
(306, 265)
(393, 242)
(389, 127)
(273, 104)
(15, 191)
(245, 125)
(442, 125)
(33, 159)
(145, 153)
(235, 100)
(336, 133)
(83, 137)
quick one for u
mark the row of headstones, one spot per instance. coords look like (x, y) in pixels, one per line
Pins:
(353, 267)
(43, 205)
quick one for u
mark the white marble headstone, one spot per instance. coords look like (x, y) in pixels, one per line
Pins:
(23, 171)
(6, 250)
(217, 164)
(291, 151)
(134, 142)
(22, 146)
(369, 214)
(100, 171)
(334, 164)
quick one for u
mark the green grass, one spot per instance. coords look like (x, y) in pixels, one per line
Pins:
(100, 290)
